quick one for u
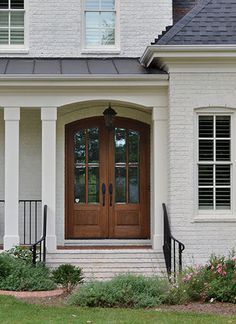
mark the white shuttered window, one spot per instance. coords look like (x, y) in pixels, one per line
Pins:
(214, 162)
(12, 22)
(100, 23)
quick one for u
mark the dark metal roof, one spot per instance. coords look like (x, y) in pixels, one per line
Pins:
(73, 66)
(209, 22)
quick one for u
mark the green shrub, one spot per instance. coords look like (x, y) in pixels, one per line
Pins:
(214, 281)
(18, 275)
(22, 253)
(68, 276)
(122, 291)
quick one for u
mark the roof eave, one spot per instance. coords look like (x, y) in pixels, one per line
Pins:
(162, 52)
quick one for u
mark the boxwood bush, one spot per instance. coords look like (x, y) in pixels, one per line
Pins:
(122, 291)
(19, 275)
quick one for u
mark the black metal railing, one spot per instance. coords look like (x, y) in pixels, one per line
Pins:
(172, 248)
(30, 219)
(39, 248)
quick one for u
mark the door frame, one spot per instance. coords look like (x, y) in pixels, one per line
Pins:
(73, 125)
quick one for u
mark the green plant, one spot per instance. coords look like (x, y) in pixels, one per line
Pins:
(23, 253)
(19, 275)
(216, 280)
(122, 291)
(68, 276)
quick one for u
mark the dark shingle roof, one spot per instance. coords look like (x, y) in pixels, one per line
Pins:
(73, 66)
(209, 22)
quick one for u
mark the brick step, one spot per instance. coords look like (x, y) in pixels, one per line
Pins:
(103, 265)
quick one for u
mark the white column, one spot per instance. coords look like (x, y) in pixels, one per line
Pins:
(12, 118)
(160, 173)
(49, 117)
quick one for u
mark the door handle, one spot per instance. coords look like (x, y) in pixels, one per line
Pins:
(103, 194)
(110, 192)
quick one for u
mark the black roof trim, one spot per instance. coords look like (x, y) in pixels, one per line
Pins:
(74, 66)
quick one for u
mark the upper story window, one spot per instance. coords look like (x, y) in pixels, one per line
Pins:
(12, 23)
(214, 162)
(100, 24)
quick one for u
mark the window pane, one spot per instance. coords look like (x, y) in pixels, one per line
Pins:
(205, 198)
(108, 4)
(80, 189)
(3, 36)
(134, 138)
(206, 151)
(223, 175)
(108, 20)
(93, 145)
(92, 5)
(108, 37)
(17, 19)
(223, 150)
(80, 147)
(222, 126)
(120, 175)
(17, 4)
(120, 145)
(4, 19)
(223, 198)
(134, 185)
(3, 4)
(17, 36)
(205, 175)
(93, 38)
(93, 185)
(92, 20)
(206, 126)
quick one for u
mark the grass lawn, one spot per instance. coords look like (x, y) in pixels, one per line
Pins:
(15, 311)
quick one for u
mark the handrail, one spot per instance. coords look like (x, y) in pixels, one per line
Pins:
(169, 248)
(40, 245)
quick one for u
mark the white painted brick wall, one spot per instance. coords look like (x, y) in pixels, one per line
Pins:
(55, 29)
(189, 91)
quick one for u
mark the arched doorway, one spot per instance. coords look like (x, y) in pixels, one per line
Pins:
(107, 179)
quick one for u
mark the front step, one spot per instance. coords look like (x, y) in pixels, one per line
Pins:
(105, 264)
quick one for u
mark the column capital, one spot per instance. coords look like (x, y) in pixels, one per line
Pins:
(49, 113)
(12, 113)
(159, 113)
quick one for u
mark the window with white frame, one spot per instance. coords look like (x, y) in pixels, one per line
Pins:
(12, 22)
(214, 162)
(100, 23)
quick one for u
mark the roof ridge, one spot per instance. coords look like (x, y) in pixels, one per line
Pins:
(176, 28)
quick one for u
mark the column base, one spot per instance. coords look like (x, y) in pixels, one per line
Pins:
(10, 241)
(157, 242)
(51, 243)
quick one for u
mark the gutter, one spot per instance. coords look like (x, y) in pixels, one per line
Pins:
(187, 51)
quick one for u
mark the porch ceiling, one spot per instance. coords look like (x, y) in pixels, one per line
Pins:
(74, 66)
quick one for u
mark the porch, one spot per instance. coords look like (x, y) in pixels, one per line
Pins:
(34, 111)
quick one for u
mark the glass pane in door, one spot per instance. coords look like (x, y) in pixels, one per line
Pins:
(127, 151)
(87, 166)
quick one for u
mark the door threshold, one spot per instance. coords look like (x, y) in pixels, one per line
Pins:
(107, 243)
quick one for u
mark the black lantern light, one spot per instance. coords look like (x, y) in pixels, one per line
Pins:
(109, 115)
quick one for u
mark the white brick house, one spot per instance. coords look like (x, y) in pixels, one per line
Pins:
(172, 140)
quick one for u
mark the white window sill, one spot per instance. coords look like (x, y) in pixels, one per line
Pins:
(214, 219)
(8, 50)
(100, 51)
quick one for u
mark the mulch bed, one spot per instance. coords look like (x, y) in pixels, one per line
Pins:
(204, 308)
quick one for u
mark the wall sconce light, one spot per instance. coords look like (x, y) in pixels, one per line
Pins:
(109, 116)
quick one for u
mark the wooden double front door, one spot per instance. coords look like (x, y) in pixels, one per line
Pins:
(107, 179)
